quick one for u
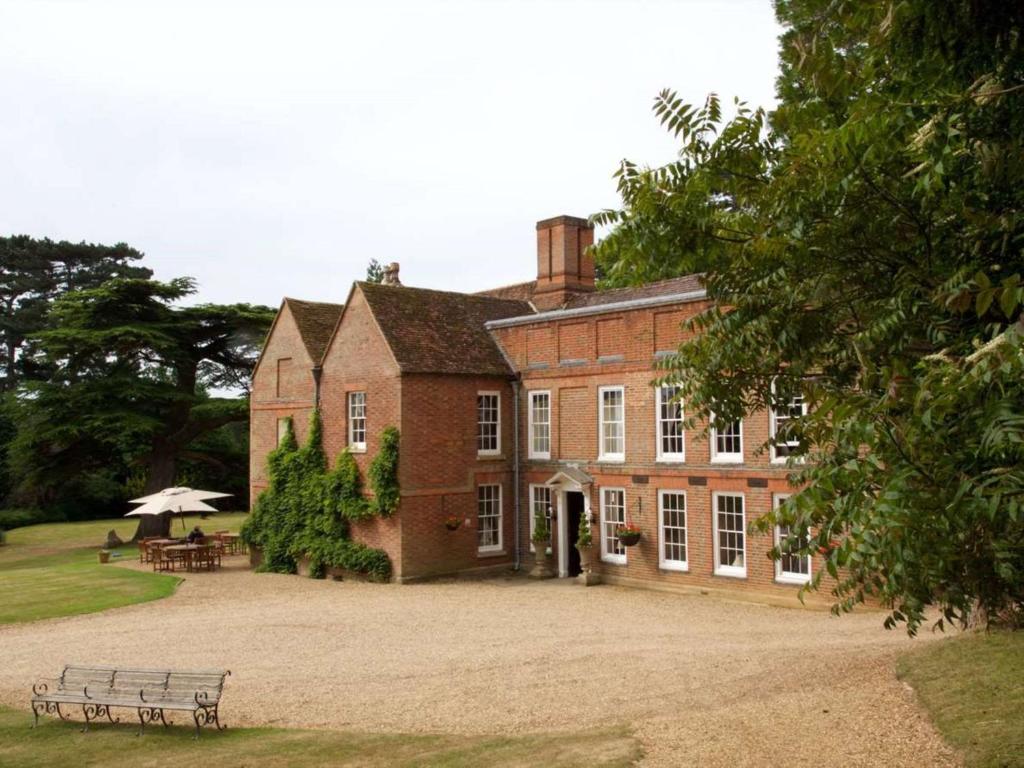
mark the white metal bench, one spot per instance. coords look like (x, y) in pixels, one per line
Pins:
(151, 692)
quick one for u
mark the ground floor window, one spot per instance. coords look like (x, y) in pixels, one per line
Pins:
(730, 535)
(790, 567)
(488, 512)
(672, 514)
(540, 502)
(613, 514)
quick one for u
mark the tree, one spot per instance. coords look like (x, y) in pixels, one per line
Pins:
(863, 244)
(374, 272)
(131, 383)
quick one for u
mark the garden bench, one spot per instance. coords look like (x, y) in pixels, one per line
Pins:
(151, 692)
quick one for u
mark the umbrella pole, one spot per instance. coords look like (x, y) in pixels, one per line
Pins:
(182, 516)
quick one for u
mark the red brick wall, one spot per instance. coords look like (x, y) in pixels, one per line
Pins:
(358, 360)
(637, 335)
(293, 380)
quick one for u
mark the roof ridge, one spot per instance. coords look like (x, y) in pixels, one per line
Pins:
(462, 294)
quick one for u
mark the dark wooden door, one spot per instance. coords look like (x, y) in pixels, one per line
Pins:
(574, 511)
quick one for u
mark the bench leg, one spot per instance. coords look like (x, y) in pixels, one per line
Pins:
(147, 715)
(60, 714)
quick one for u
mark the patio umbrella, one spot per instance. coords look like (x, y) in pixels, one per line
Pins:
(177, 501)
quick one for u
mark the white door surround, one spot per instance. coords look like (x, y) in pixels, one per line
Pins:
(567, 480)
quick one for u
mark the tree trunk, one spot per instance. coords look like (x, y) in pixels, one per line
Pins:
(162, 468)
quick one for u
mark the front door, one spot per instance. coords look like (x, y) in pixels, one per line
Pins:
(573, 514)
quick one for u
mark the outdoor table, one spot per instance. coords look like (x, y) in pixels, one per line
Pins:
(230, 541)
(189, 552)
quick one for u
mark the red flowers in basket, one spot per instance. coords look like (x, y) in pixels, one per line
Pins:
(628, 534)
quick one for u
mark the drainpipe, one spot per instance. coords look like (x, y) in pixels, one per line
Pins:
(515, 468)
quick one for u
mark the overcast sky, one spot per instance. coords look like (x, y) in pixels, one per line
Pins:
(271, 149)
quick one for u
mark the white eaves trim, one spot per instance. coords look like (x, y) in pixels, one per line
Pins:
(598, 309)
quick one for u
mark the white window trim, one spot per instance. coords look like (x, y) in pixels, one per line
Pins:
(786, 577)
(773, 430)
(731, 571)
(673, 565)
(667, 458)
(551, 497)
(725, 458)
(494, 451)
(353, 446)
(501, 516)
(605, 556)
(601, 455)
(529, 422)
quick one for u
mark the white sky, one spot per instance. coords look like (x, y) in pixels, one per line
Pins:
(271, 149)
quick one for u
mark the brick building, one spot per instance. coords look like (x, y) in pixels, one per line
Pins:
(539, 395)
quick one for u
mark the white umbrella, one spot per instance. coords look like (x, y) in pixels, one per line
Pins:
(177, 501)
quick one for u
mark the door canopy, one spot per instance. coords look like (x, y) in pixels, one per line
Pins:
(570, 479)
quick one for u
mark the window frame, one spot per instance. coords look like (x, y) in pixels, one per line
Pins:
(613, 557)
(782, 576)
(353, 445)
(531, 424)
(619, 457)
(773, 429)
(663, 562)
(551, 508)
(496, 451)
(718, 457)
(659, 402)
(730, 571)
(490, 548)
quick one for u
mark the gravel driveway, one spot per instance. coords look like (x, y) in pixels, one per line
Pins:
(702, 681)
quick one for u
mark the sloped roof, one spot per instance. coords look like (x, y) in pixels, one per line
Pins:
(315, 321)
(675, 285)
(517, 292)
(440, 331)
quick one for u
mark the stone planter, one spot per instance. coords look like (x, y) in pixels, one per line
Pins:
(541, 565)
(587, 576)
(302, 567)
(104, 556)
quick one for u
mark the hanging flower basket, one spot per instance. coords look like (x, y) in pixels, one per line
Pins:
(628, 534)
(453, 523)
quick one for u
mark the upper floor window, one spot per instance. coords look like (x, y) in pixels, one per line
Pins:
(488, 518)
(785, 445)
(671, 439)
(730, 535)
(539, 425)
(540, 504)
(613, 515)
(726, 440)
(792, 567)
(488, 423)
(357, 421)
(612, 436)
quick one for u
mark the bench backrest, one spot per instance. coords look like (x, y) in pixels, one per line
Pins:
(152, 683)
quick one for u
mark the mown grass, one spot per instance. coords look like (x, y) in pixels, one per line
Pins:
(53, 570)
(973, 688)
(56, 743)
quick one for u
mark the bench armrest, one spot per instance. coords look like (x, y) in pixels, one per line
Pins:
(44, 685)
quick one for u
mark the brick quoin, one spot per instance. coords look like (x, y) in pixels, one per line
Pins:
(570, 341)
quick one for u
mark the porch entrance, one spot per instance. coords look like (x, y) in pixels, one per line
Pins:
(573, 514)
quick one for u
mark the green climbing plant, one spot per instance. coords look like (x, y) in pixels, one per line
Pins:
(307, 508)
(384, 474)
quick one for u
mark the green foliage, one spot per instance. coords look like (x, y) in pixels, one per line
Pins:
(384, 474)
(18, 518)
(863, 244)
(541, 531)
(306, 510)
(374, 272)
(585, 537)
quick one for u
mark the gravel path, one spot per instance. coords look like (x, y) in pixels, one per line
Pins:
(702, 681)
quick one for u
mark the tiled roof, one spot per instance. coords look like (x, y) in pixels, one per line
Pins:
(439, 331)
(315, 321)
(518, 291)
(675, 285)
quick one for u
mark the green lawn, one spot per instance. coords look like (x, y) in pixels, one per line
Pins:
(973, 687)
(53, 570)
(57, 743)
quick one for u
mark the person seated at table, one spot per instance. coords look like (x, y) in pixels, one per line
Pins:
(196, 535)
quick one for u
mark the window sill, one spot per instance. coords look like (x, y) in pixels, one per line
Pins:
(491, 552)
(357, 449)
(611, 459)
(673, 568)
(490, 456)
(731, 573)
(793, 581)
(539, 456)
(613, 561)
(727, 460)
(670, 460)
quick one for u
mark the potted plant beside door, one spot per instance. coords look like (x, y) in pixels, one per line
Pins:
(585, 545)
(540, 538)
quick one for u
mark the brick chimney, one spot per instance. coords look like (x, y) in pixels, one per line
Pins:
(563, 266)
(391, 274)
